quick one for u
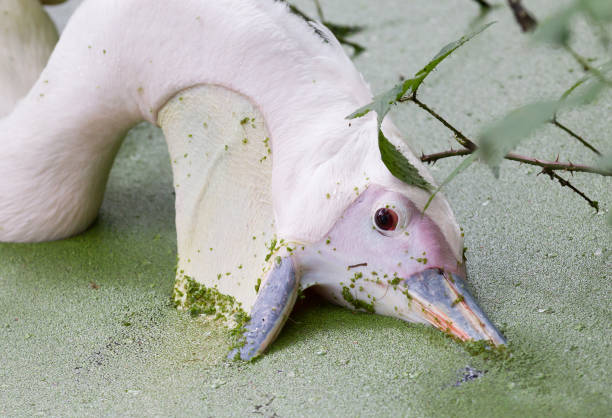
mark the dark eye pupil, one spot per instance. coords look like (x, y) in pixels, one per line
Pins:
(386, 219)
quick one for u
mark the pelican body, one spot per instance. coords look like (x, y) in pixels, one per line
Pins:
(275, 190)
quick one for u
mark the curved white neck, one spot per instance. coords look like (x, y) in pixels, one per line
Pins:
(118, 63)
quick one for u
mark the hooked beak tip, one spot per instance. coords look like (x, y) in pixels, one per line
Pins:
(446, 304)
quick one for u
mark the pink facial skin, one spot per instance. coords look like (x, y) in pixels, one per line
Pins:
(409, 272)
(415, 245)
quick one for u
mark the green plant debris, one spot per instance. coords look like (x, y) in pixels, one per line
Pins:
(395, 281)
(457, 301)
(487, 350)
(272, 248)
(198, 299)
(357, 303)
(202, 300)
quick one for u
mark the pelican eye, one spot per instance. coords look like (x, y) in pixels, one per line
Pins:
(386, 219)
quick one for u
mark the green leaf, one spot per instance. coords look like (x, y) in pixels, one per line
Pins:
(592, 86)
(505, 135)
(555, 29)
(574, 86)
(394, 160)
(382, 103)
(399, 165)
(461, 167)
(443, 54)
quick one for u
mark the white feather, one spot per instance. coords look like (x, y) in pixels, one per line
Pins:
(119, 62)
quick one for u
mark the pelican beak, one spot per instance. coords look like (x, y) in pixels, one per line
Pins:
(441, 299)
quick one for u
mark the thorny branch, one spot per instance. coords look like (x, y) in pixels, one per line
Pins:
(564, 183)
(548, 167)
(556, 165)
(432, 158)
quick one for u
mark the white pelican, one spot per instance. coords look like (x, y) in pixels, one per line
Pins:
(275, 190)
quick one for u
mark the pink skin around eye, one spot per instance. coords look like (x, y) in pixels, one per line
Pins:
(406, 251)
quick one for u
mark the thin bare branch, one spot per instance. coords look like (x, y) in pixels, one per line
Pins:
(525, 19)
(565, 183)
(573, 134)
(462, 139)
(557, 165)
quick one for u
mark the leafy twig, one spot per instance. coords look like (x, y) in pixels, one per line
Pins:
(525, 19)
(495, 144)
(471, 147)
(544, 164)
(573, 134)
(564, 183)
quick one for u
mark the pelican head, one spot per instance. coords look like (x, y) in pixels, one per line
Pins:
(384, 254)
(275, 190)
